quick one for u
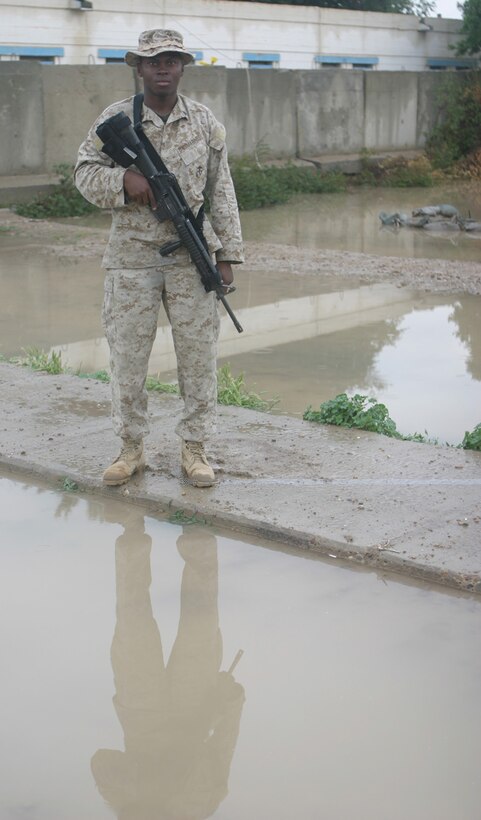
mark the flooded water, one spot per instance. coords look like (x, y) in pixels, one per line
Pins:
(306, 338)
(350, 222)
(156, 669)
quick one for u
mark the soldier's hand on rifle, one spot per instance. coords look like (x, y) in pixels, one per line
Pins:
(138, 189)
(226, 274)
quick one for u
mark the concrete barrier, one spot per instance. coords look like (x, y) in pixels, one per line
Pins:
(46, 110)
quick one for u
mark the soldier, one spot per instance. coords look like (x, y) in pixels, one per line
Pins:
(192, 145)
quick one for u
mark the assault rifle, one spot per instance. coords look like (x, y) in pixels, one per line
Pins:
(123, 145)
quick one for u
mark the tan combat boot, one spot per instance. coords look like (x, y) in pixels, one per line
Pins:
(195, 464)
(130, 460)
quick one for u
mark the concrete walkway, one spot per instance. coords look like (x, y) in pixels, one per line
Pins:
(350, 495)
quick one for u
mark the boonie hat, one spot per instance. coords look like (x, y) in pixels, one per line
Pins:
(157, 41)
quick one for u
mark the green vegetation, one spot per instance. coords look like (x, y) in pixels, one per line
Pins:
(358, 412)
(396, 172)
(420, 7)
(180, 517)
(471, 28)
(99, 375)
(361, 413)
(69, 486)
(160, 387)
(472, 440)
(231, 390)
(458, 134)
(39, 360)
(65, 200)
(257, 186)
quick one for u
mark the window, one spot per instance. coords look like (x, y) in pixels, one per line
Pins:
(116, 55)
(260, 60)
(112, 55)
(451, 64)
(39, 54)
(327, 61)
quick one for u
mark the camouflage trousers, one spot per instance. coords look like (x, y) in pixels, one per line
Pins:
(130, 312)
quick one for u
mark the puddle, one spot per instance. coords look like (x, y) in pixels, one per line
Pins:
(169, 671)
(350, 222)
(306, 338)
(423, 361)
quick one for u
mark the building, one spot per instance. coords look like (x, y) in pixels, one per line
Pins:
(231, 33)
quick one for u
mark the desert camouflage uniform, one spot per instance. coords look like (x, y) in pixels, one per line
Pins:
(192, 145)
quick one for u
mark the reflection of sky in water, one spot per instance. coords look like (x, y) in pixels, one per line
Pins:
(427, 383)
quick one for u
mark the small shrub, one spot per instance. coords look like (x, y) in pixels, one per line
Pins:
(360, 412)
(64, 201)
(232, 391)
(415, 173)
(458, 132)
(39, 360)
(472, 440)
(257, 187)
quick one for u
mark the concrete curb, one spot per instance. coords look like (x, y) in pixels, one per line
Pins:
(344, 494)
(380, 558)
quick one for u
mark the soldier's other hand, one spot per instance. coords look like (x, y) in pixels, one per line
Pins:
(138, 189)
(226, 274)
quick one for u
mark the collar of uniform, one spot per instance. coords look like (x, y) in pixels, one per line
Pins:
(179, 112)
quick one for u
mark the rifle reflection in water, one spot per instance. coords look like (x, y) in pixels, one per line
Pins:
(181, 718)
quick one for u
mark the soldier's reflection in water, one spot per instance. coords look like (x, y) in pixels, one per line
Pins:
(181, 718)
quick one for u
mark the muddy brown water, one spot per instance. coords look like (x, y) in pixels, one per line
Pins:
(306, 338)
(350, 222)
(167, 670)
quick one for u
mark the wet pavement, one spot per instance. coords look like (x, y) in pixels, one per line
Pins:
(351, 495)
(173, 670)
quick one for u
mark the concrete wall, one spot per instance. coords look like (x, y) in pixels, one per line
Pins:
(45, 111)
(226, 30)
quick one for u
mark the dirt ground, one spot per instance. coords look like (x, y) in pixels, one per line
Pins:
(435, 275)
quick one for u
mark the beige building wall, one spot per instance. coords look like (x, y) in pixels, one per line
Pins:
(233, 33)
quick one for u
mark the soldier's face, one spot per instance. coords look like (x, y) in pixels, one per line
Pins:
(161, 74)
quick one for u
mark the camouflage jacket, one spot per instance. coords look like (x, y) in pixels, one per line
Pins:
(192, 145)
